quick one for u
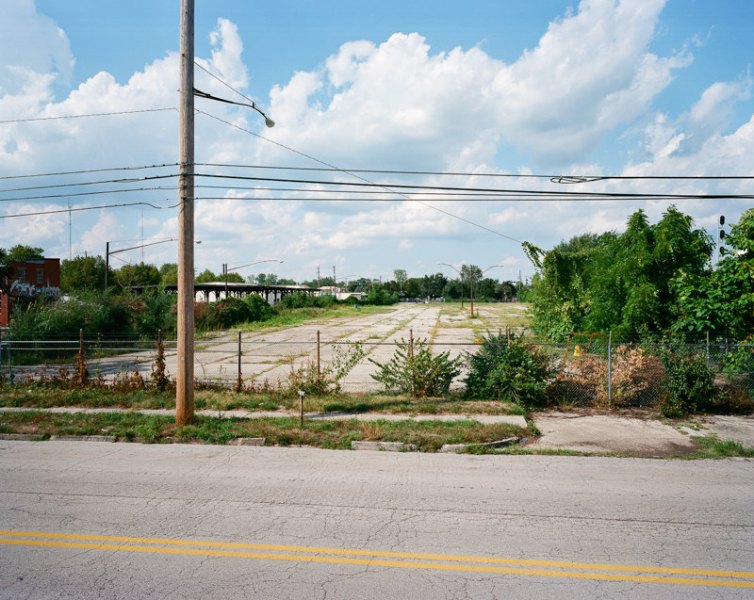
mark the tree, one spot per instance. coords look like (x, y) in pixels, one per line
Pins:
(206, 276)
(400, 277)
(139, 274)
(169, 274)
(720, 302)
(83, 273)
(21, 253)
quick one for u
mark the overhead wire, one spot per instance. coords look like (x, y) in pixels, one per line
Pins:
(87, 171)
(85, 208)
(103, 114)
(452, 215)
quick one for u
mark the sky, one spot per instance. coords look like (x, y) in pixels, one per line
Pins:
(491, 91)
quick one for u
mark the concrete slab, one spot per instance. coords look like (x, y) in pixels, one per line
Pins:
(604, 434)
(739, 429)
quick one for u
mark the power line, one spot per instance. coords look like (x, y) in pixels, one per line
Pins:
(553, 194)
(560, 179)
(85, 208)
(105, 114)
(85, 183)
(80, 194)
(86, 171)
(463, 219)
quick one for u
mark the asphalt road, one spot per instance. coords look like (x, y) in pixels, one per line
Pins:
(96, 520)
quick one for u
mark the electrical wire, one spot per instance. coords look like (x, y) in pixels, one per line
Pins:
(105, 114)
(97, 193)
(87, 171)
(560, 179)
(454, 216)
(85, 183)
(85, 208)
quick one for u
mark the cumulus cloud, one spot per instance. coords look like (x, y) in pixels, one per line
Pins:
(395, 103)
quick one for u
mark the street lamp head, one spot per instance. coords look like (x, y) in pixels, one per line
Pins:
(269, 122)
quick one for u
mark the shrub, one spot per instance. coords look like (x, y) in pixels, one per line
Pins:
(413, 369)
(635, 377)
(259, 309)
(690, 384)
(224, 314)
(505, 368)
(305, 300)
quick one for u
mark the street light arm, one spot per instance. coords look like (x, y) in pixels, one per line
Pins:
(259, 262)
(111, 252)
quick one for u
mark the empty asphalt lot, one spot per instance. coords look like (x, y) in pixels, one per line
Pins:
(269, 355)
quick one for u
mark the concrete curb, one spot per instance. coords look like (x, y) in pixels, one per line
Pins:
(496, 444)
(384, 446)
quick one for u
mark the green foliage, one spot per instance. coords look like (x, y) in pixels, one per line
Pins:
(157, 313)
(94, 312)
(83, 273)
(508, 369)
(690, 384)
(259, 309)
(223, 314)
(21, 253)
(169, 274)
(305, 300)
(380, 296)
(720, 302)
(413, 369)
(617, 282)
(206, 276)
(139, 274)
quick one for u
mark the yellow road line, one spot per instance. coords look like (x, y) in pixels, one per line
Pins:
(385, 563)
(382, 554)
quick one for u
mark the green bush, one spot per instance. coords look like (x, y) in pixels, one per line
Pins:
(379, 296)
(690, 384)
(508, 369)
(224, 314)
(305, 300)
(415, 370)
(259, 309)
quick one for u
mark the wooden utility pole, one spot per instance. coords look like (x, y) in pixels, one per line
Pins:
(184, 385)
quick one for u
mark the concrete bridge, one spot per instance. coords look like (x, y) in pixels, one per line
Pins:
(217, 290)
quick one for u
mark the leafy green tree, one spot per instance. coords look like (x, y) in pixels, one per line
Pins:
(21, 253)
(207, 276)
(139, 274)
(83, 273)
(400, 276)
(720, 301)
(169, 274)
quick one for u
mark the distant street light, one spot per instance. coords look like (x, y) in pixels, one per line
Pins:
(109, 253)
(226, 270)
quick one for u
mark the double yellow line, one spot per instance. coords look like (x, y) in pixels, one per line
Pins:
(400, 560)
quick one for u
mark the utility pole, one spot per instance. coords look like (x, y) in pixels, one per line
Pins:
(317, 276)
(334, 280)
(184, 385)
(225, 274)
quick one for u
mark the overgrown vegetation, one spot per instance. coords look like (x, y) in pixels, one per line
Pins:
(505, 367)
(414, 369)
(650, 282)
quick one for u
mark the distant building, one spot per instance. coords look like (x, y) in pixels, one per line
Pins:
(29, 280)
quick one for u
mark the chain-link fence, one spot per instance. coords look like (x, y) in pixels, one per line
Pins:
(593, 371)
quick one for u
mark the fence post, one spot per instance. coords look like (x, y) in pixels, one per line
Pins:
(610, 369)
(319, 358)
(239, 382)
(81, 366)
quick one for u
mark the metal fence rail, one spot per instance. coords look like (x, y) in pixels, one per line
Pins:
(595, 372)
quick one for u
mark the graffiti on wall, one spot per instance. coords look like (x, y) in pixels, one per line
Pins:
(21, 289)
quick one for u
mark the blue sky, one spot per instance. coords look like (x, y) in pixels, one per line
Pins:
(647, 87)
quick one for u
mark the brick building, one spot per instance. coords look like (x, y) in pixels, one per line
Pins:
(27, 281)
